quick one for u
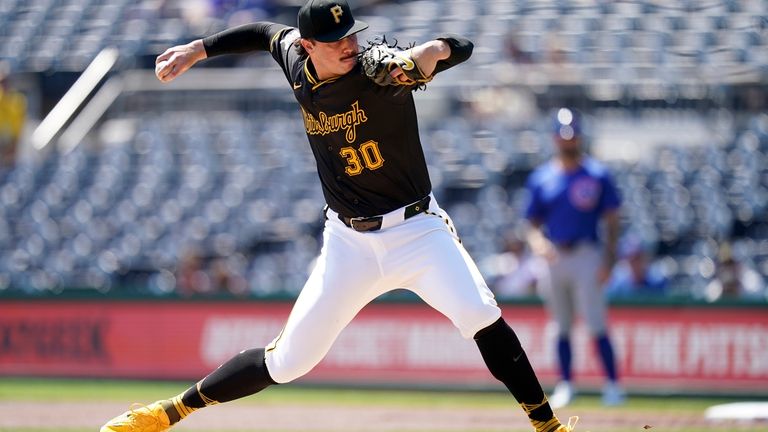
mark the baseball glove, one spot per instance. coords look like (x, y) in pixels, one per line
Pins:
(379, 59)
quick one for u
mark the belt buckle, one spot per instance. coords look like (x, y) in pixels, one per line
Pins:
(363, 224)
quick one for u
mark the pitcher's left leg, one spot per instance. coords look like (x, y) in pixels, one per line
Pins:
(452, 284)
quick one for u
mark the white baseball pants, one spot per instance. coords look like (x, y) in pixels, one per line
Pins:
(421, 254)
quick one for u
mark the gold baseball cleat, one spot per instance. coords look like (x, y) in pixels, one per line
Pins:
(140, 418)
(554, 425)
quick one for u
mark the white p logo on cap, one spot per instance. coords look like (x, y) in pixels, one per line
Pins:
(337, 12)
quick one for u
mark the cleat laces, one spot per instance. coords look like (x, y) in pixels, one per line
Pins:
(142, 418)
(554, 425)
(572, 420)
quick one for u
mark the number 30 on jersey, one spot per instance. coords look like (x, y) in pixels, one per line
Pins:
(367, 156)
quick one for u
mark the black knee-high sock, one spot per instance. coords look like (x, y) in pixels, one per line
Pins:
(242, 375)
(508, 362)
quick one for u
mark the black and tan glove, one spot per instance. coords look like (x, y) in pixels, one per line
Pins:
(379, 59)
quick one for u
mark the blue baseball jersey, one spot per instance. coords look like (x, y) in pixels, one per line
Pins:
(569, 205)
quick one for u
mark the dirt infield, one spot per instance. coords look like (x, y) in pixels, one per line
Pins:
(248, 416)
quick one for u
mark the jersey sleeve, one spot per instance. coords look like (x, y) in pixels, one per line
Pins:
(282, 46)
(610, 199)
(242, 39)
(461, 50)
(534, 210)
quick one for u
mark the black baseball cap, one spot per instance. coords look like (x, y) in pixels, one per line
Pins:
(328, 20)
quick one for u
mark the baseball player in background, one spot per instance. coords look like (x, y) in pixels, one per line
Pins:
(384, 229)
(569, 196)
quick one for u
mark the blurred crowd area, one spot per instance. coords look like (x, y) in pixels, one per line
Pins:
(653, 40)
(218, 195)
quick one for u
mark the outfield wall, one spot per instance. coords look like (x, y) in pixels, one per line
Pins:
(664, 349)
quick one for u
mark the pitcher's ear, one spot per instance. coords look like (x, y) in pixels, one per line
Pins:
(307, 44)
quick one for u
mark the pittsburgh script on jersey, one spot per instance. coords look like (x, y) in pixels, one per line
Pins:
(325, 124)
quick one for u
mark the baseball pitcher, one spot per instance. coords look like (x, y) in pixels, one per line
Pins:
(383, 230)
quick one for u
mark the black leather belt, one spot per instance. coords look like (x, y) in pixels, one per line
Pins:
(373, 223)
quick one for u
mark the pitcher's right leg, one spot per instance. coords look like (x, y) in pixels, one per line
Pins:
(242, 375)
(345, 279)
(342, 282)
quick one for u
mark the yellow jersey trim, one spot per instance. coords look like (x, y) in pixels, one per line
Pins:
(314, 81)
(328, 81)
(310, 78)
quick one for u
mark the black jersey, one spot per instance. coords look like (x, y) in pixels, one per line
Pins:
(364, 137)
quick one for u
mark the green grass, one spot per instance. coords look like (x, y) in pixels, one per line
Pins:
(29, 389)
(116, 390)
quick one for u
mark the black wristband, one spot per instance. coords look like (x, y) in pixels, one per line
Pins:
(461, 50)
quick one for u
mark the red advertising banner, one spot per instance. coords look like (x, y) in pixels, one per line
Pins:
(664, 349)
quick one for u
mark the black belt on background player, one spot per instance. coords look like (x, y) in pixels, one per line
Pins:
(572, 245)
(374, 223)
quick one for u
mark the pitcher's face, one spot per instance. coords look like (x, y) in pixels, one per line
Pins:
(332, 59)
